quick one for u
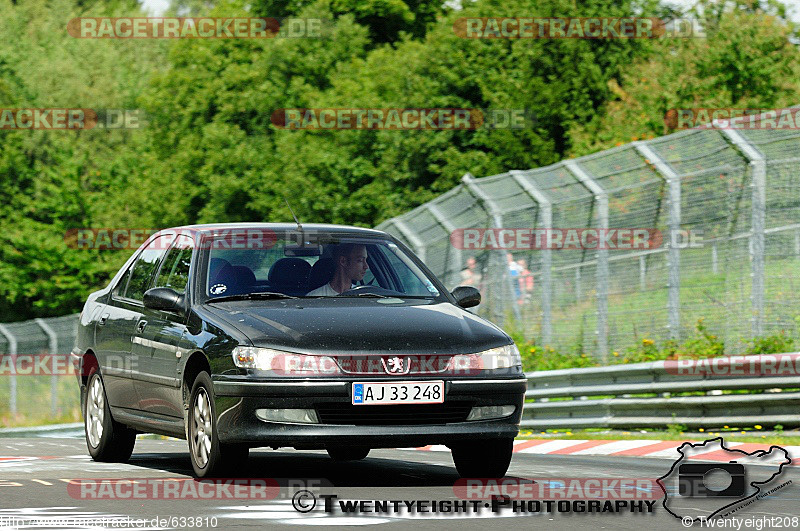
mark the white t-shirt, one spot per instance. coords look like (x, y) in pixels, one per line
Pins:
(325, 291)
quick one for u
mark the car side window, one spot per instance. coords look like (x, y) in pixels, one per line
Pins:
(174, 272)
(119, 289)
(145, 268)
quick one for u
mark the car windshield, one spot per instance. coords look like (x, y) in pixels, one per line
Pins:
(311, 264)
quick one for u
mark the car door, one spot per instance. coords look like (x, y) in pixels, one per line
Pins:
(159, 383)
(113, 331)
(141, 278)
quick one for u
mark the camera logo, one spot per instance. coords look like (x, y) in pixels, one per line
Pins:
(709, 480)
(692, 479)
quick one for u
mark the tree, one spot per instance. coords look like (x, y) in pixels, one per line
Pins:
(747, 61)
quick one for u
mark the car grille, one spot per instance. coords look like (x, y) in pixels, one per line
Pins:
(432, 364)
(398, 414)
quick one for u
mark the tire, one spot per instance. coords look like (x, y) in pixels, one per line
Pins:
(347, 453)
(107, 440)
(209, 457)
(489, 458)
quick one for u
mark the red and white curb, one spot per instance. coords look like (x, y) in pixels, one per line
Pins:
(635, 448)
(6, 461)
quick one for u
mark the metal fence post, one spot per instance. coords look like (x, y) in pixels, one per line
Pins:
(408, 234)
(797, 244)
(642, 273)
(601, 197)
(674, 256)
(442, 220)
(714, 259)
(12, 352)
(52, 348)
(546, 207)
(497, 221)
(758, 166)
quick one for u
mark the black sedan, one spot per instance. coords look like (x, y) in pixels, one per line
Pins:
(314, 337)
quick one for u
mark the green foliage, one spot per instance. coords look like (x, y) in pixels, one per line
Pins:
(209, 151)
(771, 344)
(747, 61)
(537, 358)
(676, 429)
(544, 358)
(701, 345)
(53, 181)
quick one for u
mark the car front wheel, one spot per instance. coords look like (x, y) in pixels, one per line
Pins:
(489, 458)
(106, 439)
(210, 457)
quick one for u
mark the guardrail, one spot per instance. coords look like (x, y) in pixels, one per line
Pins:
(72, 429)
(597, 397)
(601, 397)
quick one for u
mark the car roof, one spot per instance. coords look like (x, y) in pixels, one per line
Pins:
(322, 227)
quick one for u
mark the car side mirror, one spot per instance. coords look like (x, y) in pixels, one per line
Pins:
(164, 299)
(467, 296)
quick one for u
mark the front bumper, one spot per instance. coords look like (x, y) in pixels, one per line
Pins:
(237, 399)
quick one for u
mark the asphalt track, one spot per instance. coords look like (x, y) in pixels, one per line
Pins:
(35, 492)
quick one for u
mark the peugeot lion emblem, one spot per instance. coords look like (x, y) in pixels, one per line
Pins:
(395, 365)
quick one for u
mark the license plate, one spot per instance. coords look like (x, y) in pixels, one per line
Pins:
(398, 392)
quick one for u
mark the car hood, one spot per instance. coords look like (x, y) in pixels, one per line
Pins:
(343, 325)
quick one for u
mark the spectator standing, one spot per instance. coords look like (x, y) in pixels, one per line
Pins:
(515, 272)
(525, 280)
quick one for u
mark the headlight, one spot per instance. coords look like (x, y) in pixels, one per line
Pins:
(283, 363)
(505, 357)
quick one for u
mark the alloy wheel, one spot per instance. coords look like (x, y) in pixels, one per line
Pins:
(95, 412)
(202, 434)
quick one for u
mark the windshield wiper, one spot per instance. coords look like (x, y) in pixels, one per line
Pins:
(260, 295)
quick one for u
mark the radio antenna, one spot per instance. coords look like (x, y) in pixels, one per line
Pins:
(299, 227)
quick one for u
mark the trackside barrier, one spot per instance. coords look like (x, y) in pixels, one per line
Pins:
(597, 397)
(721, 196)
(715, 393)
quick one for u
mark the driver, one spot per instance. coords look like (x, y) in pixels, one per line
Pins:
(351, 265)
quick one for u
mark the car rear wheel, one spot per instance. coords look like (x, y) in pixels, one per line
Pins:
(209, 457)
(107, 440)
(348, 453)
(488, 458)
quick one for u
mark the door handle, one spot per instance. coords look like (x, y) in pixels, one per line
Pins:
(103, 319)
(140, 326)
